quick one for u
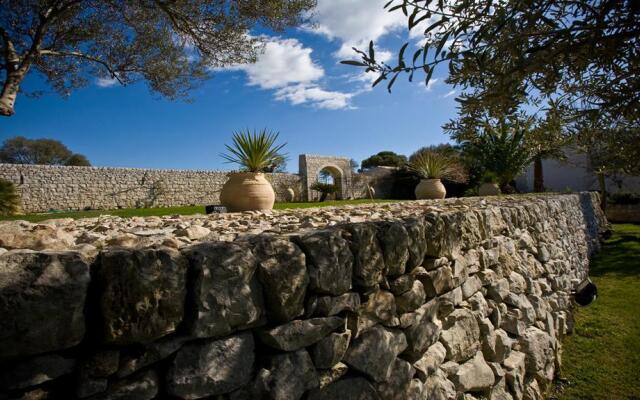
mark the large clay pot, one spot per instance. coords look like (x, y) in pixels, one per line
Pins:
(489, 189)
(246, 191)
(430, 189)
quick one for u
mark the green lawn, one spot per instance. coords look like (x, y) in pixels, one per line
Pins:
(145, 212)
(601, 360)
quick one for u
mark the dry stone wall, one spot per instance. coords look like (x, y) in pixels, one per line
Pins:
(432, 300)
(44, 187)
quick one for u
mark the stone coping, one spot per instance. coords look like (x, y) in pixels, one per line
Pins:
(90, 235)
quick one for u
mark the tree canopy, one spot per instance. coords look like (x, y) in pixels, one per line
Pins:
(583, 53)
(384, 159)
(20, 150)
(172, 45)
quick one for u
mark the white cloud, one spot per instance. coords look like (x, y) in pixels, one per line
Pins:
(286, 66)
(313, 94)
(106, 82)
(449, 94)
(282, 62)
(354, 22)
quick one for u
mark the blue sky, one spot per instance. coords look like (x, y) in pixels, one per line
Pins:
(297, 88)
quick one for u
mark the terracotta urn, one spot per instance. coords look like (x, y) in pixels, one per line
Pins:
(430, 189)
(247, 191)
(489, 189)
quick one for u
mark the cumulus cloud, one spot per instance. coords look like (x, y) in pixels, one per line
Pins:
(106, 82)
(282, 62)
(286, 66)
(315, 95)
(354, 22)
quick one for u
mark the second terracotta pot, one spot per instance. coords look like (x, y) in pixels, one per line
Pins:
(489, 189)
(430, 189)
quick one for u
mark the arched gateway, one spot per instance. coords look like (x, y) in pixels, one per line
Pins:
(338, 168)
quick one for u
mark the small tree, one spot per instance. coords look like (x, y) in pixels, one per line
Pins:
(325, 189)
(384, 159)
(77, 160)
(501, 149)
(9, 199)
(20, 150)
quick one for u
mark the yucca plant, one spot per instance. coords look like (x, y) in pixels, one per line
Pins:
(431, 165)
(8, 198)
(254, 151)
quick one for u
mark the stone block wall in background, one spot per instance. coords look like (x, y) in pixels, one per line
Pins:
(469, 299)
(45, 187)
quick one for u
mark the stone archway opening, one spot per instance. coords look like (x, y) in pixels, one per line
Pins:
(329, 175)
(336, 169)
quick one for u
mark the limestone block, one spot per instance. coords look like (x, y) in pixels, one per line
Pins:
(346, 389)
(211, 367)
(329, 260)
(330, 350)
(225, 291)
(368, 261)
(374, 352)
(416, 231)
(35, 288)
(141, 293)
(394, 241)
(398, 383)
(460, 335)
(474, 375)
(288, 376)
(283, 274)
(412, 299)
(327, 306)
(297, 334)
(35, 370)
(142, 386)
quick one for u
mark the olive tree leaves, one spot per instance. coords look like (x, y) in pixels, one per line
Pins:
(506, 53)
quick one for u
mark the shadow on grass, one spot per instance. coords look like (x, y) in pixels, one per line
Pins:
(620, 254)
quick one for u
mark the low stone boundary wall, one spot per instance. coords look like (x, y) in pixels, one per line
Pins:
(46, 187)
(424, 300)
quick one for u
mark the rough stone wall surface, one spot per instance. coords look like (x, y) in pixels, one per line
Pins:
(44, 187)
(454, 299)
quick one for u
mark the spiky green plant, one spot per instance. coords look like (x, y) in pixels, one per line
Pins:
(254, 151)
(431, 165)
(8, 198)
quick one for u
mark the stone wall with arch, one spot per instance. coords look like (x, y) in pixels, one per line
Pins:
(50, 187)
(339, 167)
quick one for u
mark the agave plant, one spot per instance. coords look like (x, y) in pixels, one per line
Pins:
(254, 151)
(431, 165)
(8, 198)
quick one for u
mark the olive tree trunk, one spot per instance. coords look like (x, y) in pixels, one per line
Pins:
(10, 92)
(538, 175)
(15, 73)
(603, 190)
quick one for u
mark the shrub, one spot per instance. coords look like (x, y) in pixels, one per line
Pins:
(324, 188)
(489, 177)
(434, 165)
(8, 198)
